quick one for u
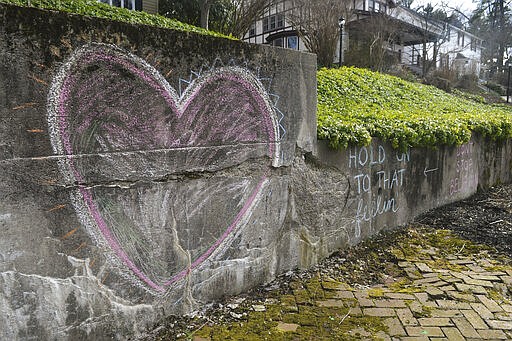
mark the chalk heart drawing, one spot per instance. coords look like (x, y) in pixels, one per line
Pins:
(107, 104)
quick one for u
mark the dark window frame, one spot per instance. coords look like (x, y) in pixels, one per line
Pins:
(273, 22)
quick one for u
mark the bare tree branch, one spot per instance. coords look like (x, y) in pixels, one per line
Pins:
(243, 14)
(316, 22)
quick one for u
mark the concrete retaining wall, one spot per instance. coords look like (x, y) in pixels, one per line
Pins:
(388, 188)
(144, 172)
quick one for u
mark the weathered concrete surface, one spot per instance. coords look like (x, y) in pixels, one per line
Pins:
(142, 171)
(145, 172)
(388, 188)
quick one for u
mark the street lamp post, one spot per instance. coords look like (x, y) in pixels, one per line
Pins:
(341, 21)
(509, 64)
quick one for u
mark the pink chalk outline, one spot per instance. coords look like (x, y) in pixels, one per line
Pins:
(58, 122)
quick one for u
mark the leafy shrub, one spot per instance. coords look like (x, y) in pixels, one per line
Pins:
(355, 105)
(100, 10)
(468, 82)
(400, 71)
(469, 96)
(439, 82)
(496, 88)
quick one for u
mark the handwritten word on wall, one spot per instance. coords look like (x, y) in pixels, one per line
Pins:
(464, 177)
(379, 176)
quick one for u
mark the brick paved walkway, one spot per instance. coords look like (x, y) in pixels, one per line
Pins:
(449, 289)
(463, 304)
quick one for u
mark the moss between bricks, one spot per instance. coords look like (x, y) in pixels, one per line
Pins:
(330, 284)
(345, 321)
(404, 286)
(376, 293)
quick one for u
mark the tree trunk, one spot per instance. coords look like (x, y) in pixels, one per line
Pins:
(205, 12)
(501, 46)
(424, 69)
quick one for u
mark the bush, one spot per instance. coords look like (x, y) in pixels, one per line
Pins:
(400, 71)
(469, 96)
(496, 88)
(440, 83)
(468, 82)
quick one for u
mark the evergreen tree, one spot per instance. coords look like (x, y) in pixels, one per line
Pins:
(492, 21)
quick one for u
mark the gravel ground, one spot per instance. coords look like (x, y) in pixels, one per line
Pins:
(485, 218)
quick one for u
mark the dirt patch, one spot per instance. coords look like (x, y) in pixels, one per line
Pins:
(485, 218)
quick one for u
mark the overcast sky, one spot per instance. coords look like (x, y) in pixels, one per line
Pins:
(466, 6)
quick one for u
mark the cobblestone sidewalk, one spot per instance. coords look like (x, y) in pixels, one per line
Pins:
(441, 287)
(464, 301)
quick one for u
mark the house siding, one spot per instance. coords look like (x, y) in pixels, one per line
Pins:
(150, 6)
(408, 51)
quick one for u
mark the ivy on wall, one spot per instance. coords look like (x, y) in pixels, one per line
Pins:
(97, 9)
(355, 105)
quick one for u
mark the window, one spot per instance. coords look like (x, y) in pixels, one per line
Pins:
(460, 38)
(128, 4)
(445, 61)
(278, 42)
(252, 30)
(265, 24)
(280, 20)
(473, 44)
(292, 42)
(376, 6)
(273, 22)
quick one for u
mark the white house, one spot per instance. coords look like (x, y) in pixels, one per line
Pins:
(461, 51)
(149, 6)
(458, 49)
(274, 28)
(406, 28)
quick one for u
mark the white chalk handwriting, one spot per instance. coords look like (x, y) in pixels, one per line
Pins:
(380, 178)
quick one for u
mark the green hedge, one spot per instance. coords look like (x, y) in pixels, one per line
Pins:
(100, 10)
(355, 105)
